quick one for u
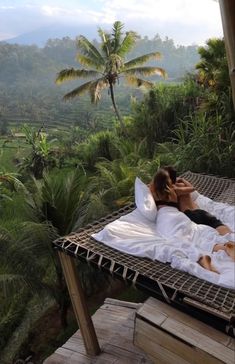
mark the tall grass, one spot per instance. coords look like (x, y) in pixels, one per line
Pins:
(204, 144)
(158, 115)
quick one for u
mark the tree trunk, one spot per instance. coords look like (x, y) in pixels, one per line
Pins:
(227, 9)
(115, 107)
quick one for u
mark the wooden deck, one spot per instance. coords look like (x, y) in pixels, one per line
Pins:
(114, 324)
(171, 336)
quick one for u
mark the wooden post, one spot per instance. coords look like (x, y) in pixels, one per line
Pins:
(79, 304)
(227, 9)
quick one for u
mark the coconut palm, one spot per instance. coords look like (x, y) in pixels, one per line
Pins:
(107, 64)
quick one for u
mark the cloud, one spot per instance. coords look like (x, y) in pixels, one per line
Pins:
(201, 16)
(186, 21)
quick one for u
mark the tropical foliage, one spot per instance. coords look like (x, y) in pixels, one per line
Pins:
(67, 178)
(107, 65)
(213, 66)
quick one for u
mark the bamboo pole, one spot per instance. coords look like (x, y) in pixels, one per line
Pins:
(227, 9)
(79, 304)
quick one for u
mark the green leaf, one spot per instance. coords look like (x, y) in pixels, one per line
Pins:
(79, 90)
(89, 62)
(117, 35)
(96, 88)
(71, 74)
(88, 49)
(145, 71)
(135, 81)
(127, 43)
(142, 59)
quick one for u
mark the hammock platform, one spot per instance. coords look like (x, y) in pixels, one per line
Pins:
(198, 297)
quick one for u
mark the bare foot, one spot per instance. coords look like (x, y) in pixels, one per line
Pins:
(205, 262)
(223, 229)
(230, 249)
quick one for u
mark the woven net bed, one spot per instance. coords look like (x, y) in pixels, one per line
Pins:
(183, 290)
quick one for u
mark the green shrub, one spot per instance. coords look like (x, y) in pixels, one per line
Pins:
(204, 144)
(99, 145)
(158, 115)
(13, 317)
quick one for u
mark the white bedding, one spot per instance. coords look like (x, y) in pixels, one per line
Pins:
(170, 240)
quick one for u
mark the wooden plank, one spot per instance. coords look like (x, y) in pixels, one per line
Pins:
(63, 356)
(151, 314)
(56, 358)
(231, 344)
(125, 311)
(144, 333)
(152, 305)
(159, 353)
(129, 356)
(199, 340)
(79, 304)
(115, 332)
(115, 302)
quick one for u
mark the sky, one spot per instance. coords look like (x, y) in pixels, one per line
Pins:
(185, 21)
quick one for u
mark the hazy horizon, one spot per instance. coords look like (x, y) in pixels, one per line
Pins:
(185, 21)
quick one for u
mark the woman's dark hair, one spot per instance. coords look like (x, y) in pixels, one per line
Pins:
(172, 173)
(160, 182)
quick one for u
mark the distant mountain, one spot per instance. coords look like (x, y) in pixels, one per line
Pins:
(40, 36)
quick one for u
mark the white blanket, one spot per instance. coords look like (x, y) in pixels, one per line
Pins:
(175, 239)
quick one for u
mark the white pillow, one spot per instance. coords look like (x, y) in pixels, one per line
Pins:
(144, 200)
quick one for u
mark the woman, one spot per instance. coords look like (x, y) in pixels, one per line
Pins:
(183, 190)
(173, 223)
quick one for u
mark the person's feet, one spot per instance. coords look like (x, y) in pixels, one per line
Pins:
(205, 262)
(230, 249)
(223, 229)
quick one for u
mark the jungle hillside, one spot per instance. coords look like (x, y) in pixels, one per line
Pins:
(67, 161)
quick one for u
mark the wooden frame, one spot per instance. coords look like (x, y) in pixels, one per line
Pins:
(79, 304)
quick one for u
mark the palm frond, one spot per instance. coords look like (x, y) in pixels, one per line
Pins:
(38, 237)
(97, 207)
(89, 50)
(117, 35)
(127, 43)
(64, 200)
(79, 90)
(71, 74)
(96, 88)
(10, 283)
(142, 59)
(138, 82)
(89, 62)
(106, 44)
(145, 71)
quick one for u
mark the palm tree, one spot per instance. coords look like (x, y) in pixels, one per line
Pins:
(59, 203)
(107, 64)
(213, 67)
(50, 208)
(113, 185)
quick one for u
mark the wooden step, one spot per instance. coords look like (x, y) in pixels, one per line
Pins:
(171, 336)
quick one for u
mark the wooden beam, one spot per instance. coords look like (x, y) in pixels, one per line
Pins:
(79, 304)
(227, 9)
